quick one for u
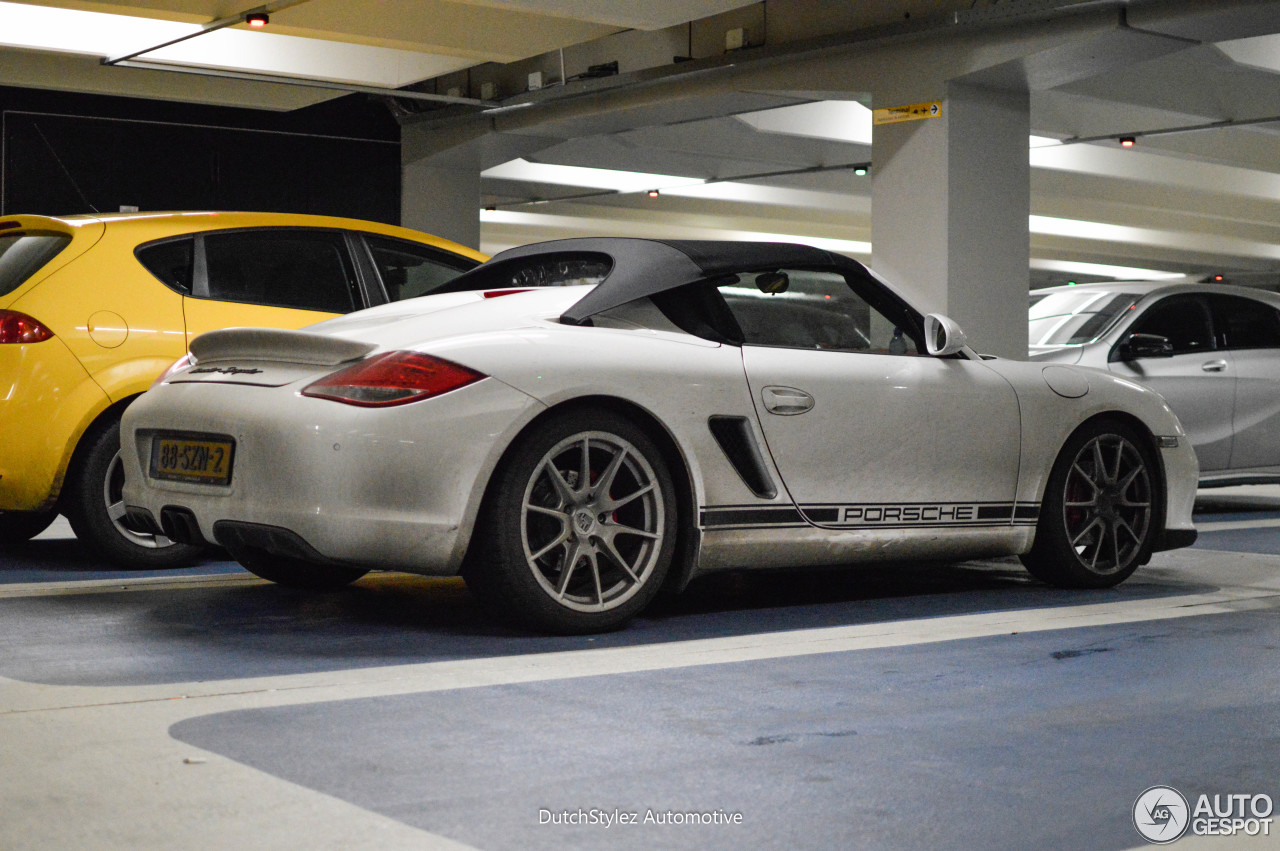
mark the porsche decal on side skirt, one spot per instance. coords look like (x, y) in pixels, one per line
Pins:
(874, 515)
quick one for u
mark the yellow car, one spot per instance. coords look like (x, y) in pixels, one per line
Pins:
(94, 308)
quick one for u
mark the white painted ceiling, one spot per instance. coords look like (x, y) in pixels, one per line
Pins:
(1194, 202)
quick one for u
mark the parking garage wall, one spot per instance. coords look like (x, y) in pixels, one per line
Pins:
(71, 153)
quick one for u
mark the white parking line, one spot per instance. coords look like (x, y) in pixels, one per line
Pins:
(115, 586)
(533, 667)
(1226, 525)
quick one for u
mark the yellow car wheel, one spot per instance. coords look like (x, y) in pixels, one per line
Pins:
(94, 504)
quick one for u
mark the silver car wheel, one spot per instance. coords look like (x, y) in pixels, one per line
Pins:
(1107, 504)
(113, 497)
(592, 522)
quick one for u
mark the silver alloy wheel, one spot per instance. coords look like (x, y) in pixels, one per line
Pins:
(1107, 501)
(592, 522)
(113, 497)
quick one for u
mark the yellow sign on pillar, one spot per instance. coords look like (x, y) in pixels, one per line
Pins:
(910, 112)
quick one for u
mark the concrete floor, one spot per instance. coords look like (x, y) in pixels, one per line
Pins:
(958, 706)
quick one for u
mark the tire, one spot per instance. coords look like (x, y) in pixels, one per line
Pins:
(578, 532)
(93, 502)
(18, 527)
(296, 572)
(1102, 510)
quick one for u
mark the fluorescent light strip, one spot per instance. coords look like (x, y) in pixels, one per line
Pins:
(566, 226)
(103, 34)
(1103, 270)
(558, 226)
(588, 178)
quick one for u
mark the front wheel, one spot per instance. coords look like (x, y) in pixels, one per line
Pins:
(1102, 509)
(578, 533)
(94, 503)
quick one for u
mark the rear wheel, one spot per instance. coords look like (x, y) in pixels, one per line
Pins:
(579, 531)
(296, 572)
(17, 527)
(1101, 509)
(94, 503)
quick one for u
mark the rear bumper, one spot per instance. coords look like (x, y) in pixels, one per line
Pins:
(392, 489)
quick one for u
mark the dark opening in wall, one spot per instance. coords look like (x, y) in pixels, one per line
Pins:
(65, 154)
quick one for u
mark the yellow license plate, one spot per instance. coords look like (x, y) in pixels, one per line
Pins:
(206, 460)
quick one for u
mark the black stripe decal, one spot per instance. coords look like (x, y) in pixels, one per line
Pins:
(906, 515)
(750, 516)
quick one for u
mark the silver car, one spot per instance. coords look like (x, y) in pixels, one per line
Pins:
(1213, 352)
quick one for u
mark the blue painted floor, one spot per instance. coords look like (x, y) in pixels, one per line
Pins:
(1010, 741)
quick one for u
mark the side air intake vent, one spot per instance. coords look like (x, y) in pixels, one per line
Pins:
(739, 446)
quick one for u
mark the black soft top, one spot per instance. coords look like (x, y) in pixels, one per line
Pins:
(646, 267)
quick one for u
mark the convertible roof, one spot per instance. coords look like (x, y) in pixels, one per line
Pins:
(645, 267)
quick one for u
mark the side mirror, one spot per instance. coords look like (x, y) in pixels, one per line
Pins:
(942, 336)
(1145, 346)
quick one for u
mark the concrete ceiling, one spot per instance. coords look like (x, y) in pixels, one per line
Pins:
(1197, 201)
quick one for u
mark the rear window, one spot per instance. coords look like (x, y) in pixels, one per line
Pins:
(24, 254)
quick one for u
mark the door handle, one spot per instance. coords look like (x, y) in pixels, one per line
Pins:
(786, 401)
(1214, 366)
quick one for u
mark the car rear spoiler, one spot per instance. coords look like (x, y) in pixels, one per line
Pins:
(276, 345)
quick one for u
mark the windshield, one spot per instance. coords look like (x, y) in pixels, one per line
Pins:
(23, 254)
(1074, 317)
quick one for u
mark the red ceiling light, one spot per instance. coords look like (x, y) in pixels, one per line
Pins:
(1218, 279)
(257, 20)
(1128, 141)
(653, 193)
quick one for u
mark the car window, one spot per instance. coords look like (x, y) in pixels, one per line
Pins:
(1074, 317)
(803, 309)
(169, 261)
(1243, 323)
(307, 269)
(1184, 320)
(409, 270)
(23, 254)
(561, 269)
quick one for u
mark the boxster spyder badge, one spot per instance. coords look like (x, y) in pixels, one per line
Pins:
(575, 424)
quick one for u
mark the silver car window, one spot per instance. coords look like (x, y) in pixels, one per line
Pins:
(1244, 323)
(1074, 317)
(1184, 320)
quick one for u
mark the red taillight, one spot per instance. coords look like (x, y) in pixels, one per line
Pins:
(393, 378)
(181, 363)
(18, 327)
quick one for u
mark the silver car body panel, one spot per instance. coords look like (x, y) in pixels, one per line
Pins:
(1228, 400)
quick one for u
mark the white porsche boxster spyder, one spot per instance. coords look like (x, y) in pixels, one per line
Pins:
(576, 424)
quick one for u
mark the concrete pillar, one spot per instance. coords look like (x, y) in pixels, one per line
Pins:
(441, 199)
(950, 199)
(440, 180)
